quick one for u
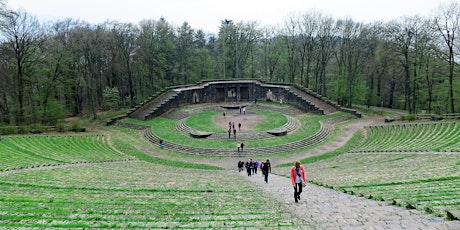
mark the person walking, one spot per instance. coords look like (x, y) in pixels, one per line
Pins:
(239, 126)
(161, 144)
(240, 166)
(266, 168)
(242, 146)
(249, 165)
(297, 176)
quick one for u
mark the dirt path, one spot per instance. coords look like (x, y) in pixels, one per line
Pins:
(348, 132)
(247, 120)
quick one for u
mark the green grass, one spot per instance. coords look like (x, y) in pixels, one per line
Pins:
(412, 137)
(272, 120)
(164, 128)
(354, 141)
(128, 141)
(136, 195)
(19, 152)
(204, 121)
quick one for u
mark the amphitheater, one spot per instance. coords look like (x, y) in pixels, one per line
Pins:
(230, 96)
(363, 173)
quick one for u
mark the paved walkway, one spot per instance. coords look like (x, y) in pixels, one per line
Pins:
(330, 209)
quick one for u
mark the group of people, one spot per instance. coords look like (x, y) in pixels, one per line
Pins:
(252, 166)
(240, 146)
(231, 126)
(297, 173)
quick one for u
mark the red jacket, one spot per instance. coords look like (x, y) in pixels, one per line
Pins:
(293, 174)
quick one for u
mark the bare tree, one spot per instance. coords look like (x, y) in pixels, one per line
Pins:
(126, 42)
(21, 32)
(447, 22)
(271, 52)
(309, 27)
(350, 53)
(326, 44)
(291, 34)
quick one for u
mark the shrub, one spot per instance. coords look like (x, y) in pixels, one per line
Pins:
(77, 127)
(8, 130)
(23, 129)
(36, 128)
(410, 117)
(61, 127)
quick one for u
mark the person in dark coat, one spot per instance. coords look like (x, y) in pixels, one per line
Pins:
(266, 168)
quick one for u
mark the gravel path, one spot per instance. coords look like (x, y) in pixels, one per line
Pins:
(329, 209)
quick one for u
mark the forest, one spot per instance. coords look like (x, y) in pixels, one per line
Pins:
(65, 68)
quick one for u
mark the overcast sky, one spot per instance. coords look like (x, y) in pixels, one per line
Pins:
(207, 14)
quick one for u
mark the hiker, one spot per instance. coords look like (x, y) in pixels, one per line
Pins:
(266, 168)
(161, 143)
(297, 177)
(261, 166)
(244, 110)
(240, 166)
(238, 147)
(256, 165)
(223, 113)
(248, 167)
(234, 133)
(242, 146)
(229, 133)
(239, 126)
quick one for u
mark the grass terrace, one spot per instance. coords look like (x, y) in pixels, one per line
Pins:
(410, 137)
(136, 195)
(19, 152)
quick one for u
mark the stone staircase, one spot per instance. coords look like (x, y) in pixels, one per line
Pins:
(155, 107)
(322, 105)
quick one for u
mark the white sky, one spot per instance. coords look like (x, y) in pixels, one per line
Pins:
(207, 14)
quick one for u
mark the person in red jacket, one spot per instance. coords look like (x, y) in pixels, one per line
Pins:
(297, 175)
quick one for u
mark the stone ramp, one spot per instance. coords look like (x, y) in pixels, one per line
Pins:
(330, 209)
